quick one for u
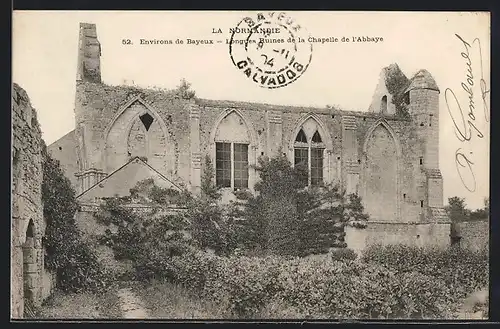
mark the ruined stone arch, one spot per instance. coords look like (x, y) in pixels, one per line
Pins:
(31, 231)
(30, 262)
(250, 130)
(310, 124)
(380, 172)
(251, 139)
(323, 131)
(127, 105)
(117, 138)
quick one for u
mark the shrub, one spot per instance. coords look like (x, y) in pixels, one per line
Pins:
(192, 270)
(149, 239)
(422, 296)
(313, 287)
(212, 228)
(462, 270)
(343, 254)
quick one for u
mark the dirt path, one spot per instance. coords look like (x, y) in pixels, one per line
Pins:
(466, 312)
(132, 307)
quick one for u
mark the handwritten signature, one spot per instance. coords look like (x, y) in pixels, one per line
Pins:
(465, 125)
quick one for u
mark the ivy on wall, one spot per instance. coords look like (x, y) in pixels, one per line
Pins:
(397, 83)
(75, 264)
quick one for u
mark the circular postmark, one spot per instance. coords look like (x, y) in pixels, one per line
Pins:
(270, 49)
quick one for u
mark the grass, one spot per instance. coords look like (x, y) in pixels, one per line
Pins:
(165, 300)
(81, 306)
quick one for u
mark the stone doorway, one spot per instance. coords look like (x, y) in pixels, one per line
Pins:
(29, 270)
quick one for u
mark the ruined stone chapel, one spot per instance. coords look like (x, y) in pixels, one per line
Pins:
(124, 134)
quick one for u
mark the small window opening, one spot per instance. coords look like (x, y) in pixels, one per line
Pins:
(301, 137)
(316, 137)
(383, 104)
(30, 230)
(364, 118)
(359, 161)
(421, 124)
(421, 160)
(333, 116)
(147, 120)
(60, 148)
(421, 203)
(404, 195)
(418, 236)
(406, 98)
(261, 153)
(338, 158)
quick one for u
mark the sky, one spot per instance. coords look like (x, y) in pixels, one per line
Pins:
(45, 46)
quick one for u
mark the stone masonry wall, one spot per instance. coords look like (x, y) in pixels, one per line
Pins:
(348, 158)
(474, 235)
(101, 109)
(419, 235)
(27, 224)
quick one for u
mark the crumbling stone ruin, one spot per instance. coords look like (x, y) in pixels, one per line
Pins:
(30, 282)
(389, 155)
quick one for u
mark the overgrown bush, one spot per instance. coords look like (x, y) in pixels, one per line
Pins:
(314, 287)
(73, 260)
(343, 254)
(148, 238)
(212, 227)
(462, 270)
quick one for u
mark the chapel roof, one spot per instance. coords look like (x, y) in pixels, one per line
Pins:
(125, 177)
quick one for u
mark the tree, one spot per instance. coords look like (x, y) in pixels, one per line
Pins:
(287, 218)
(184, 90)
(482, 213)
(276, 205)
(355, 212)
(456, 209)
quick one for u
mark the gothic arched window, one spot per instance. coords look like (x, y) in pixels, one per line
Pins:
(231, 153)
(308, 153)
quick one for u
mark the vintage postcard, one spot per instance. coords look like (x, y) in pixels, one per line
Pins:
(250, 165)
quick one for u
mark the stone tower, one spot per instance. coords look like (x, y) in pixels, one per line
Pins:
(87, 122)
(89, 53)
(423, 94)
